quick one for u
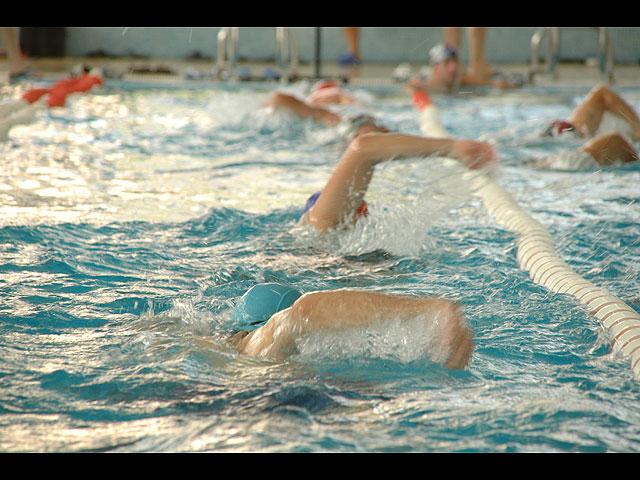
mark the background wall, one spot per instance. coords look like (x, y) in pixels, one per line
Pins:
(378, 44)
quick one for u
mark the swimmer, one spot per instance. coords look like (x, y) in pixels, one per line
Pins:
(604, 150)
(602, 111)
(608, 120)
(277, 315)
(341, 201)
(447, 74)
(349, 126)
(23, 110)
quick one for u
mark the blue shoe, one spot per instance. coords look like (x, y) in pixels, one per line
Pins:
(270, 74)
(243, 74)
(348, 59)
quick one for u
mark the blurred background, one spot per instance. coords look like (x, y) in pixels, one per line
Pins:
(316, 50)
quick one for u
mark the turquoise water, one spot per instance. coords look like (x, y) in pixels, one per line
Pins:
(132, 220)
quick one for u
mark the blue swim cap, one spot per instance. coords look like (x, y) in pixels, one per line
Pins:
(263, 300)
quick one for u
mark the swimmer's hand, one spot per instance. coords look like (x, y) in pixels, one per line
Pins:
(474, 154)
(456, 339)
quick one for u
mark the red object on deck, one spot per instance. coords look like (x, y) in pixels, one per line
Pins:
(59, 91)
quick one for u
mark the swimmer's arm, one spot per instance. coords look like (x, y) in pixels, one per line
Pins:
(588, 115)
(340, 309)
(282, 101)
(375, 148)
(610, 148)
(345, 189)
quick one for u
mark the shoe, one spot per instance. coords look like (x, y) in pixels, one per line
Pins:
(243, 74)
(270, 74)
(348, 59)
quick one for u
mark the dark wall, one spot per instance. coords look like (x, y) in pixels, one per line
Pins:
(43, 41)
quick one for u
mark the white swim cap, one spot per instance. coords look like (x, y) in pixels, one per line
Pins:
(442, 53)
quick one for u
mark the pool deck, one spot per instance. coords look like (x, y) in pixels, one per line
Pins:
(566, 74)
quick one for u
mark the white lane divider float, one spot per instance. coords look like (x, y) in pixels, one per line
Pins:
(536, 253)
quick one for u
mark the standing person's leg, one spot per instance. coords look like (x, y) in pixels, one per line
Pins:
(478, 65)
(9, 39)
(452, 36)
(478, 71)
(352, 37)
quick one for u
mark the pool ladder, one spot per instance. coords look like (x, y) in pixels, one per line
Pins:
(227, 58)
(605, 52)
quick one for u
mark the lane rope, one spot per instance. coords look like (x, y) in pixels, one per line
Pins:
(536, 253)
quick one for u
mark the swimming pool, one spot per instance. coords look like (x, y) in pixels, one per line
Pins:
(132, 220)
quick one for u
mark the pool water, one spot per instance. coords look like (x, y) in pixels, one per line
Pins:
(134, 218)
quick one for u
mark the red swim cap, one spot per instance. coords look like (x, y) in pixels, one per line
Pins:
(327, 84)
(557, 127)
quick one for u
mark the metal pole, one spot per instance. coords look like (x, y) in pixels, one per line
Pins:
(318, 49)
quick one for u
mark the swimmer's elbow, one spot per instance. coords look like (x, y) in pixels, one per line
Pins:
(364, 147)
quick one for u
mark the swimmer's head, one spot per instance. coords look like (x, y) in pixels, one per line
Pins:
(261, 301)
(445, 65)
(371, 128)
(442, 53)
(559, 127)
(355, 125)
(326, 84)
